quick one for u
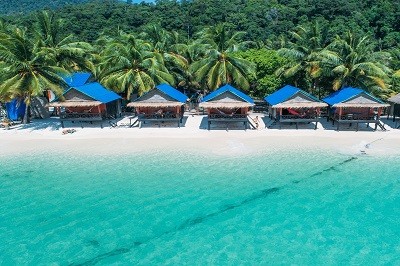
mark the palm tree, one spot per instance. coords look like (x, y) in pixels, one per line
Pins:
(220, 65)
(130, 65)
(165, 44)
(69, 54)
(192, 52)
(303, 54)
(352, 61)
(29, 72)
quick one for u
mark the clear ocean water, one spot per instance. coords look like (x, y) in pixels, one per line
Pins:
(179, 208)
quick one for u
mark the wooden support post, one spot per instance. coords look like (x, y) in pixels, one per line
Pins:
(297, 125)
(316, 125)
(357, 126)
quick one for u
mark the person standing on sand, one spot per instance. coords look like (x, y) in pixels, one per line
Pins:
(198, 100)
(256, 121)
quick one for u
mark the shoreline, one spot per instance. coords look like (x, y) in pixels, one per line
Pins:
(46, 137)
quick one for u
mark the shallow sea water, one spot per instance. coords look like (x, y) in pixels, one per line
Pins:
(193, 208)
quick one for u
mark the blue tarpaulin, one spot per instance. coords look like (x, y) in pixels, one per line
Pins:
(15, 109)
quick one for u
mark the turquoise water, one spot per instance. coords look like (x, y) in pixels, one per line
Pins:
(187, 208)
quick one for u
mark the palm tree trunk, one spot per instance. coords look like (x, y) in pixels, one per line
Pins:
(26, 114)
(316, 88)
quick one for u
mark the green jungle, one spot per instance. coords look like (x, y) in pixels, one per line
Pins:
(256, 45)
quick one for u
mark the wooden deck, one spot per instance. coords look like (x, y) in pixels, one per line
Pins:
(357, 119)
(297, 119)
(236, 118)
(81, 117)
(143, 118)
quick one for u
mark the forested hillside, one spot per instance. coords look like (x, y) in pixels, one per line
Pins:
(261, 19)
(24, 6)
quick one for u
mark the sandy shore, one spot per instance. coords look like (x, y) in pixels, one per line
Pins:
(46, 136)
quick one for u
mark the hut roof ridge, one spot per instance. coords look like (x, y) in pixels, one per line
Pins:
(172, 92)
(347, 94)
(97, 92)
(77, 79)
(228, 88)
(395, 99)
(285, 93)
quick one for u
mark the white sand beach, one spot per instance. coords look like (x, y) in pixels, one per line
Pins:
(46, 136)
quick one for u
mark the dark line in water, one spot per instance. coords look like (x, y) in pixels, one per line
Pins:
(200, 219)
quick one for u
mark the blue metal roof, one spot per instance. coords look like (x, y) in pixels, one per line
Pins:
(285, 93)
(77, 79)
(97, 92)
(172, 92)
(228, 88)
(346, 94)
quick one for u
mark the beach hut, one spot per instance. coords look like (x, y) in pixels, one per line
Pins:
(395, 107)
(227, 104)
(293, 105)
(86, 101)
(354, 105)
(162, 104)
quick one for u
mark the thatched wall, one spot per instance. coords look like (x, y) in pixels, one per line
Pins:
(74, 95)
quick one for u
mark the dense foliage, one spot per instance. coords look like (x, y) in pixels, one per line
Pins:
(255, 45)
(260, 19)
(25, 6)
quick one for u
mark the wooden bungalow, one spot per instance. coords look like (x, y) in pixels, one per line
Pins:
(353, 105)
(87, 101)
(161, 104)
(293, 105)
(228, 105)
(395, 107)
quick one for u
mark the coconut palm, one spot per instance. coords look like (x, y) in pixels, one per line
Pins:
(303, 54)
(220, 65)
(352, 61)
(165, 44)
(192, 52)
(130, 65)
(69, 54)
(29, 71)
